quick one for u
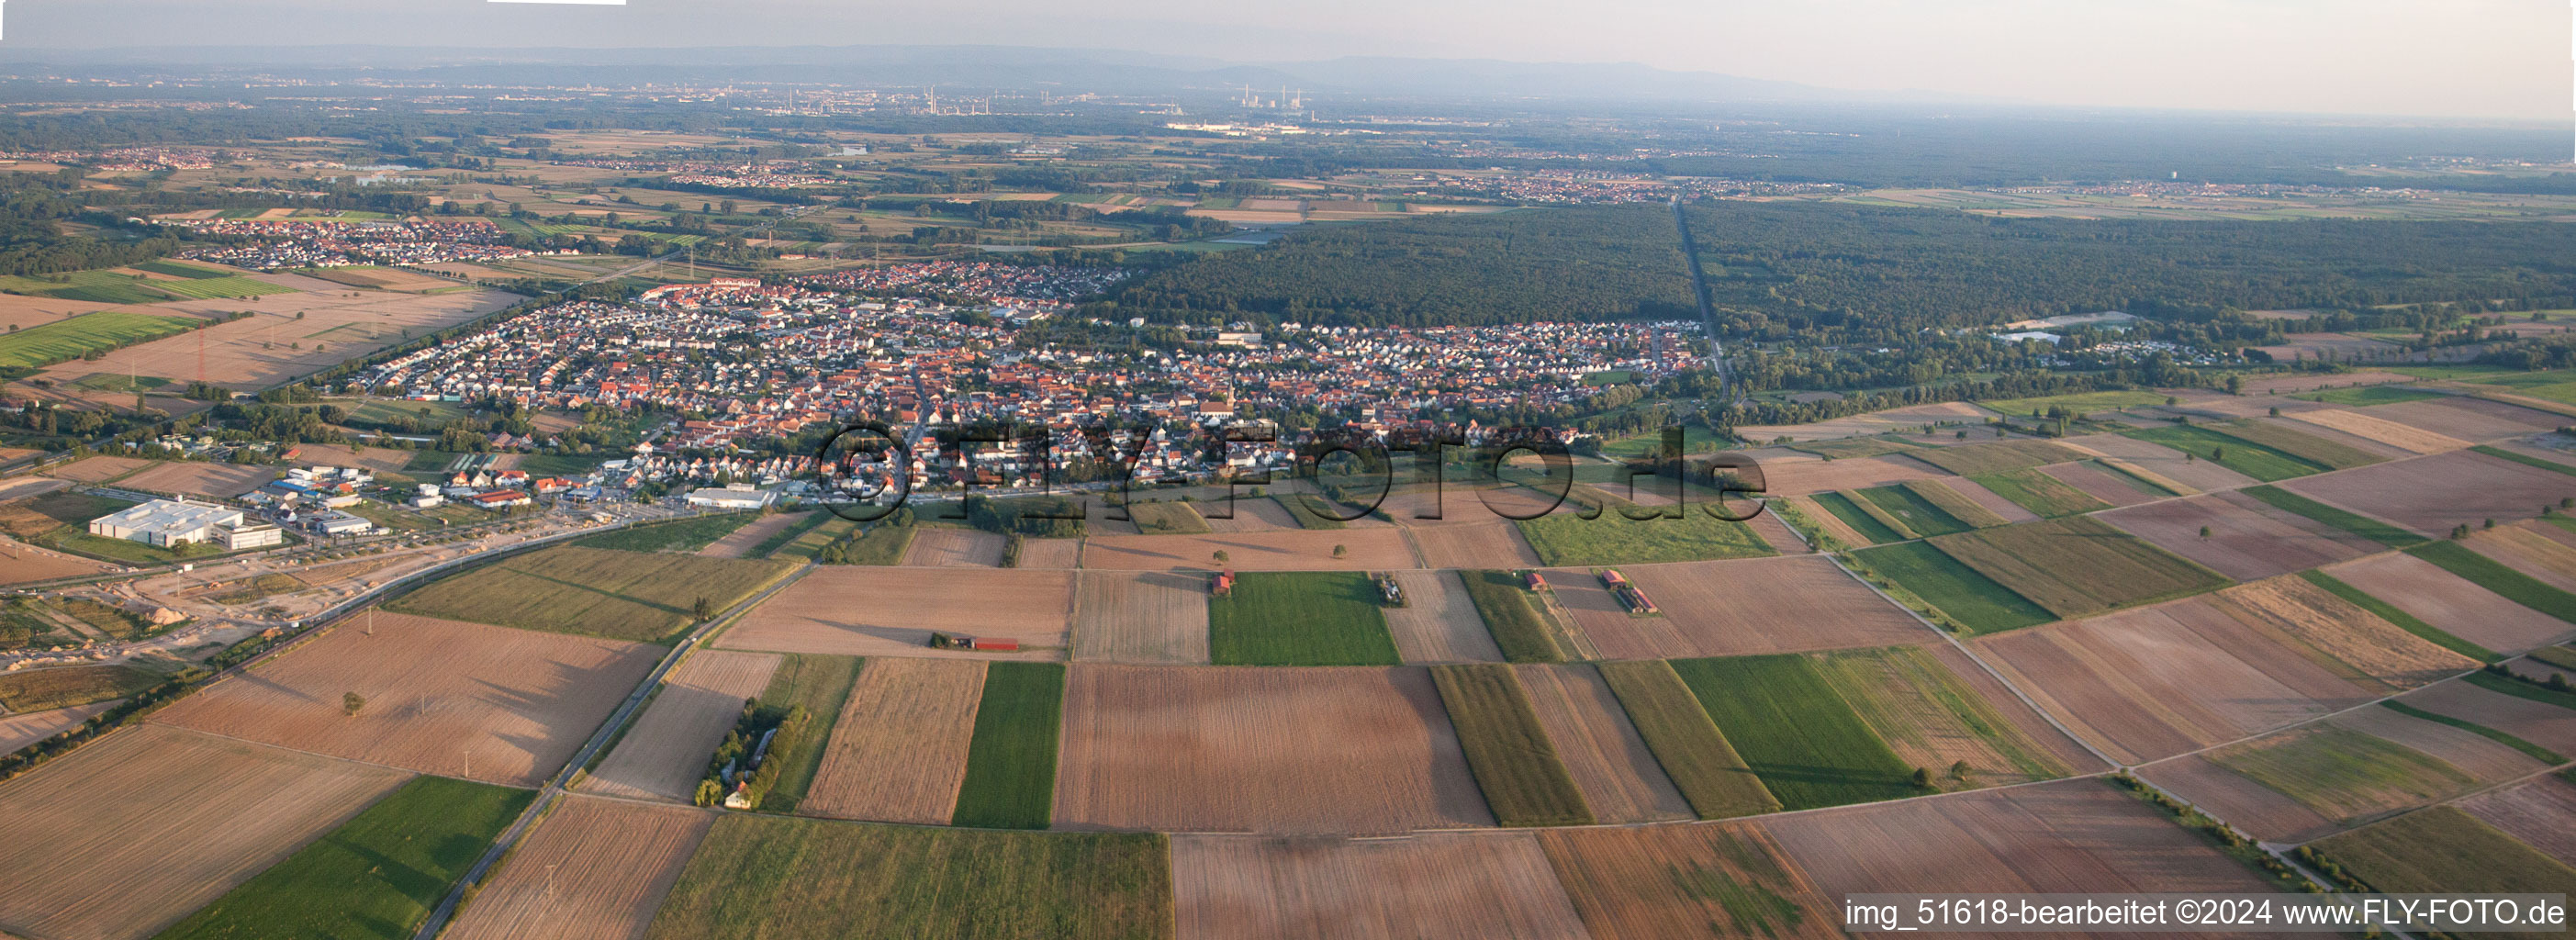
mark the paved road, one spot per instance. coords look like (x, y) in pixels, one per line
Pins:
(1727, 387)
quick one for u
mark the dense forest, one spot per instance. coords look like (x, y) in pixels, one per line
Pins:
(1615, 262)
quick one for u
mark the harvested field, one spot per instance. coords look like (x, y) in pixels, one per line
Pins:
(17, 731)
(2301, 610)
(1166, 518)
(381, 459)
(1686, 742)
(1732, 608)
(2158, 681)
(1702, 879)
(1461, 885)
(98, 469)
(2477, 755)
(594, 870)
(1952, 497)
(2541, 813)
(1618, 776)
(2259, 810)
(1796, 476)
(903, 606)
(2448, 602)
(597, 591)
(938, 546)
(2523, 547)
(2070, 836)
(1496, 544)
(439, 694)
(1876, 422)
(2540, 723)
(899, 750)
(2101, 483)
(2166, 462)
(664, 754)
(1048, 553)
(215, 480)
(257, 352)
(1777, 533)
(1377, 549)
(1439, 622)
(2443, 849)
(1516, 766)
(1996, 456)
(1935, 719)
(740, 542)
(28, 563)
(2077, 565)
(2468, 419)
(2333, 450)
(1251, 514)
(1140, 617)
(2345, 775)
(151, 823)
(2276, 384)
(1287, 751)
(24, 311)
(1825, 521)
(2247, 539)
(2374, 428)
(36, 690)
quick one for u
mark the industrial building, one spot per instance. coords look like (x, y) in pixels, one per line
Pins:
(162, 522)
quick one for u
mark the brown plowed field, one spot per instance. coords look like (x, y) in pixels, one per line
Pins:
(2540, 723)
(2097, 483)
(2292, 607)
(1647, 883)
(594, 870)
(1495, 544)
(1776, 533)
(2448, 601)
(440, 695)
(23, 311)
(254, 353)
(943, 547)
(1462, 885)
(2432, 494)
(17, 731)
(1141, 617)
(1251, 514)
(98, 469)
(2541, 813)
(665, 754)
(2069, 836)
(2164, 461)
(1826, 522)
(1438, 624)
(2381, 430)
(1799, 477)
(382, 459)
(2158, 681)
(1619, 777)
(1049, 553)
(214, 480)
(1311, 751)
(28, 563)
(899, 750)
(2291, 425)
(1736, 608)
(2011, 511)
(2257, 809)
(1876, 422)
(1376, 549)
(2521, 547)
(2467, 418)
(1931, 719)
(2467, 750)
(740, 542)
(865, 610)
(2247, 539)
(141, 828)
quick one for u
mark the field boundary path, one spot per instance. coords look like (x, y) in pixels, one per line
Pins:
(554, 788)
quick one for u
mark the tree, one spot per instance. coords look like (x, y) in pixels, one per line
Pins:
(1221, 557)
(2204, 531)
(709, 793)
(1959, 770)
(1923, 778)
(351, 702)
(2218, 454)
(1341, 551)
(705, 609)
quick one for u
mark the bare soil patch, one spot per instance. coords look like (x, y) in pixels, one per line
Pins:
(1462, 885)
(1647, 883)
(2469, 419)
(1794, 476)
(2247, 538)
(274, 345)
(1495, 544)
(740, 542)
(2266, 813)
(98, 469)
(899, 750)
(2540, 723)
(27, 312)
(1438, 623)
(17, 731)
(2541, 813)
(2432, 494)
(665, 754)
(2163, 461)
(2381, 430)
(1736, 608)
(945, 547)
(2098, 483)
(1049, 553)
(1141, 617)
(212, 480)
(2011, 511)
(863, 610)
(594, 870)
(1251, 514)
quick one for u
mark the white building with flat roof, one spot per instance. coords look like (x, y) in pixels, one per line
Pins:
(164, 521)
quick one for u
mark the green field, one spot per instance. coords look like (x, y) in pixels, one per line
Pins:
(1967, 511)
(2525, 459)
(214, 288)
(683, 536)
(1856, 447)
(1568, 540)
(100, 285)
(428, 414)
(179, 269)
(1996, 456)
(1305, 618)
(37, 515)
(1010, 767)
(2341, 773)
(36, 690)
(1795, 731)
(376, 876)
(1512, 616)
(2368, 395)
(1887, 686)
(2355, 523)
(2520, 689)
(2078, 565)
(2404, 621)
(2304, 446)
(1976, 602)
(821, 684)
(1167, 518)
(1516, 766)
(2251, 459)
(594, 591)
(2044, 495)
(794, 533)
(774, 878)
(2495, 576)
(2079, 402)
(2445, 850)
(1696, 439)
(2534, 751)
(73, 338)
(1918, 513)
(1860, 520)
(1686, 741)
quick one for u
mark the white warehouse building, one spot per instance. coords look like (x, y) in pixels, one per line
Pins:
(162, 522)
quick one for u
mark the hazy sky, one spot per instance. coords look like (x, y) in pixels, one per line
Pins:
(2460, 58)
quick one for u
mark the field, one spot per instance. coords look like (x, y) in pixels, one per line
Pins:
(2305, 609)
(2079, 402)
(1010, 767)
(1609, 761)
(937, 546)
(2243, 456)
(1439, 622)
(821, 685)
(683, 537)
(2499, 577)
(1299, 619)
(593, 591)
(253, 353)
(1368, 549)
(2541, 814)
(594, 870)
(1936, 719)
(2431, 494)
(2448, 602)
(2380, 430)
(899, 750)
(1140, 617)
(1798, 475)
(1876, 422)
(1206, 750)
(2127, 453)
(87, 333)
(2044, 495)
(1432, 886)
(1795, 731)
(2315, 448)
(374, 877)
(1048, 553)
(1686, 742)
(1970, 460)
(2540, 716)
(768, 878)
(2343, 774)
(2077, 565)
(1654, 882)
(1250, 514)
(219, 480)
(2446, 850)
(1945, 498)
(1861, 522)
(751, 540)
(1496, 544)
(440, 696)
(2346, 520)
(36, 690)
(664, 753)
(1520, 630)
(149, 823)
(1613, 539)
(2469, 419)
(903, 606)
(1728, 608)
(2370, 395)
(2245, 538)
(20, 730)
(1524, 782)
(1167, 518)
(1974, 601)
